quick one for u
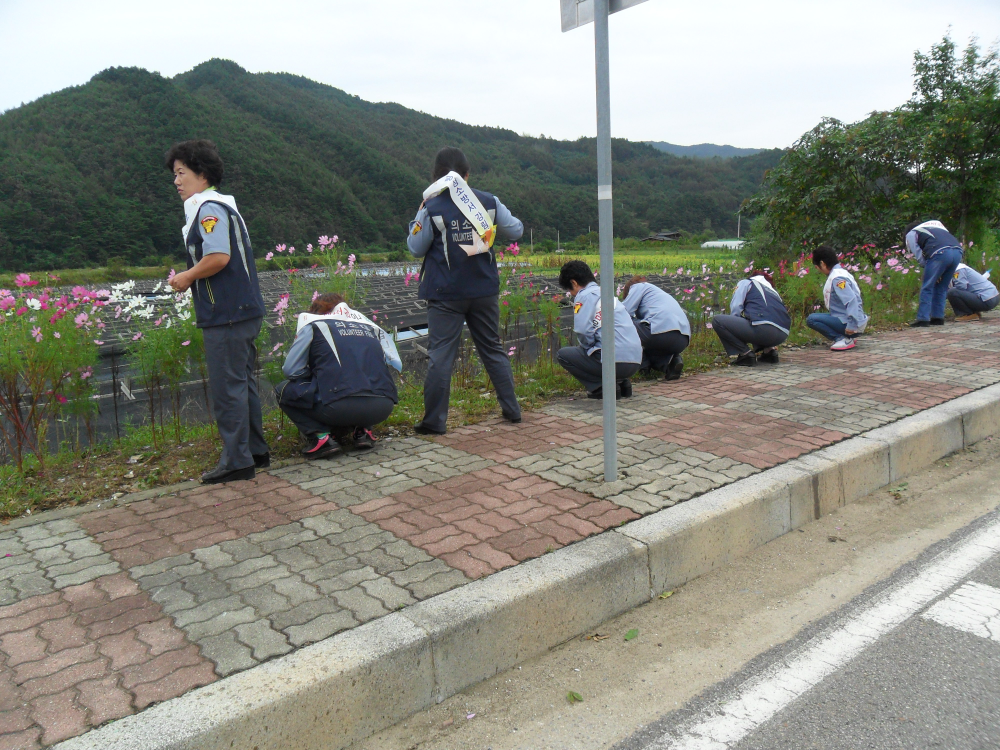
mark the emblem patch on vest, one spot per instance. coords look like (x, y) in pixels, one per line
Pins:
(417, 227)
(576, 307)
(208, 223)
(842, 284)
(956, 275)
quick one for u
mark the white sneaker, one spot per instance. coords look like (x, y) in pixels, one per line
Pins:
(843, 344)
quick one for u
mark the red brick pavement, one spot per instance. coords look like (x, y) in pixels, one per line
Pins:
(742, 436)
(142, 532)
(713, 390)
(850, 360)
(77, 658)
(915, 394)
(492, 518)
(502, 441)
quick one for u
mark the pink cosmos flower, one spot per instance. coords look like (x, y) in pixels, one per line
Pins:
(892, 262)
(57, 335)
(81, 320)
(906, 270)
(878, 286)
(324, 241)
(281, 248)
(186, 343)
(269, 256)
(315, 295)
(98, 343)
(61, 398)
(309, 248)
(37, 333)
(23, 280)
(137, 336)
(171, 275)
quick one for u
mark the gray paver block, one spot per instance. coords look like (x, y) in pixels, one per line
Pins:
(322, 627)
(228, 654)
(363, 606)
(221, 623)
(264, 641)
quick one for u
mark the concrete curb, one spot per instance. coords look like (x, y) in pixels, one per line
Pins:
(341, 690)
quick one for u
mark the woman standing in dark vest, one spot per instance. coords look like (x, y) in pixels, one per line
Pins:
(227, 303)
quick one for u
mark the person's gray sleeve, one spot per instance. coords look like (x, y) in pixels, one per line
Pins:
(852, 303)
(913, 246)
(509, 227)
(739, 297)
(631, 302)
(213, 223)
(297, 360)
(583, 320)
(420, 235)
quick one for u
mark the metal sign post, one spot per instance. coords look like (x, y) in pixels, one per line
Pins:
(577, 13)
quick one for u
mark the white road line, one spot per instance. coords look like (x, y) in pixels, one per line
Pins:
(760, 698)
(974, 608)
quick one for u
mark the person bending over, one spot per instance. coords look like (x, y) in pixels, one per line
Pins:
(662, 326)
(339, 377)
(228, 307)
(939, 252)
(583, 362)
(758, 322)
(971, 294)
(842, 297)
(453, 232)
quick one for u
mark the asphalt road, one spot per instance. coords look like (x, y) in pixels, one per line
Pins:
(913, 662)
(774, 621)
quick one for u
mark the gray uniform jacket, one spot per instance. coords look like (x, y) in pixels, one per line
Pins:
(650, 304)
(586, 325)
(508, 227)
(845, 303)
(970, 280)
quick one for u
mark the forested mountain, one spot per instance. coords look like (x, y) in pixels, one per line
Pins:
(82, 179)
(703, 150)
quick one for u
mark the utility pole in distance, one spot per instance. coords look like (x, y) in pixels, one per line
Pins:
(578, 13)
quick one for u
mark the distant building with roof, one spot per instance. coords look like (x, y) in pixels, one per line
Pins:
(663, 236)
(727, 244)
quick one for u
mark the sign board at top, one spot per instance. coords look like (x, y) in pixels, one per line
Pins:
(581, 12)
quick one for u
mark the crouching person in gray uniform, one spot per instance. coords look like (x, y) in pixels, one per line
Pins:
(758, 322)
(339, 377)
(453, 232)
(842, 296)
(662, 326)
(971, 294)
(227, 305)
(583, 362)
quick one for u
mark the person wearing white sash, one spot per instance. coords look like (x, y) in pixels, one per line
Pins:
(757, 324)
(842, 297)
(228, 306)
(454, 232)
(339, 377)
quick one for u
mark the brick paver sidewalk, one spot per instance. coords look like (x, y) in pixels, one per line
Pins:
(107, 612)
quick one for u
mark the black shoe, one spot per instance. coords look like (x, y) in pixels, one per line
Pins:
(364, 440)
(599, 393)
(675, 368)
(421, 429)
(770, 356)
(513, 420)
(920, 324)
(746, 359)
(625, 388)
(937, 321)
(321, 447)
(218, 475)
(262, 460)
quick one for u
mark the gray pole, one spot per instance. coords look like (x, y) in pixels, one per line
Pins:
(604, 213)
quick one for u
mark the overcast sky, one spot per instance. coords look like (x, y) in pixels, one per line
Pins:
(719, 71)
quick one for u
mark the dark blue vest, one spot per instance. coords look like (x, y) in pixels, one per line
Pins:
(355, 364)
(767, 307)
(233, 294)
(448, 273)
(934, 239)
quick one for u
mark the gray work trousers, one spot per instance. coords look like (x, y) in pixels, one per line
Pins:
(231, 356)
(444, 331)
(587, 367)
(738, 335)
(967, 303)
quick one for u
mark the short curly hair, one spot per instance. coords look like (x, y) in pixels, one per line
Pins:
(575, 270)
(200, 156)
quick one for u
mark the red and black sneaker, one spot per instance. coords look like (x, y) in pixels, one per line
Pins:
(321, 447)
(364, 440)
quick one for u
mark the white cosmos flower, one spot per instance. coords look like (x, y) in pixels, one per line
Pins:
(34, 304)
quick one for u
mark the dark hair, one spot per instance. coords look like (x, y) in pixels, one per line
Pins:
(630, 282)
(913, 225)
(575, 270)
(826, 254)
(767, 277)
(450, 159)
(200, 156)
(324, 303)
